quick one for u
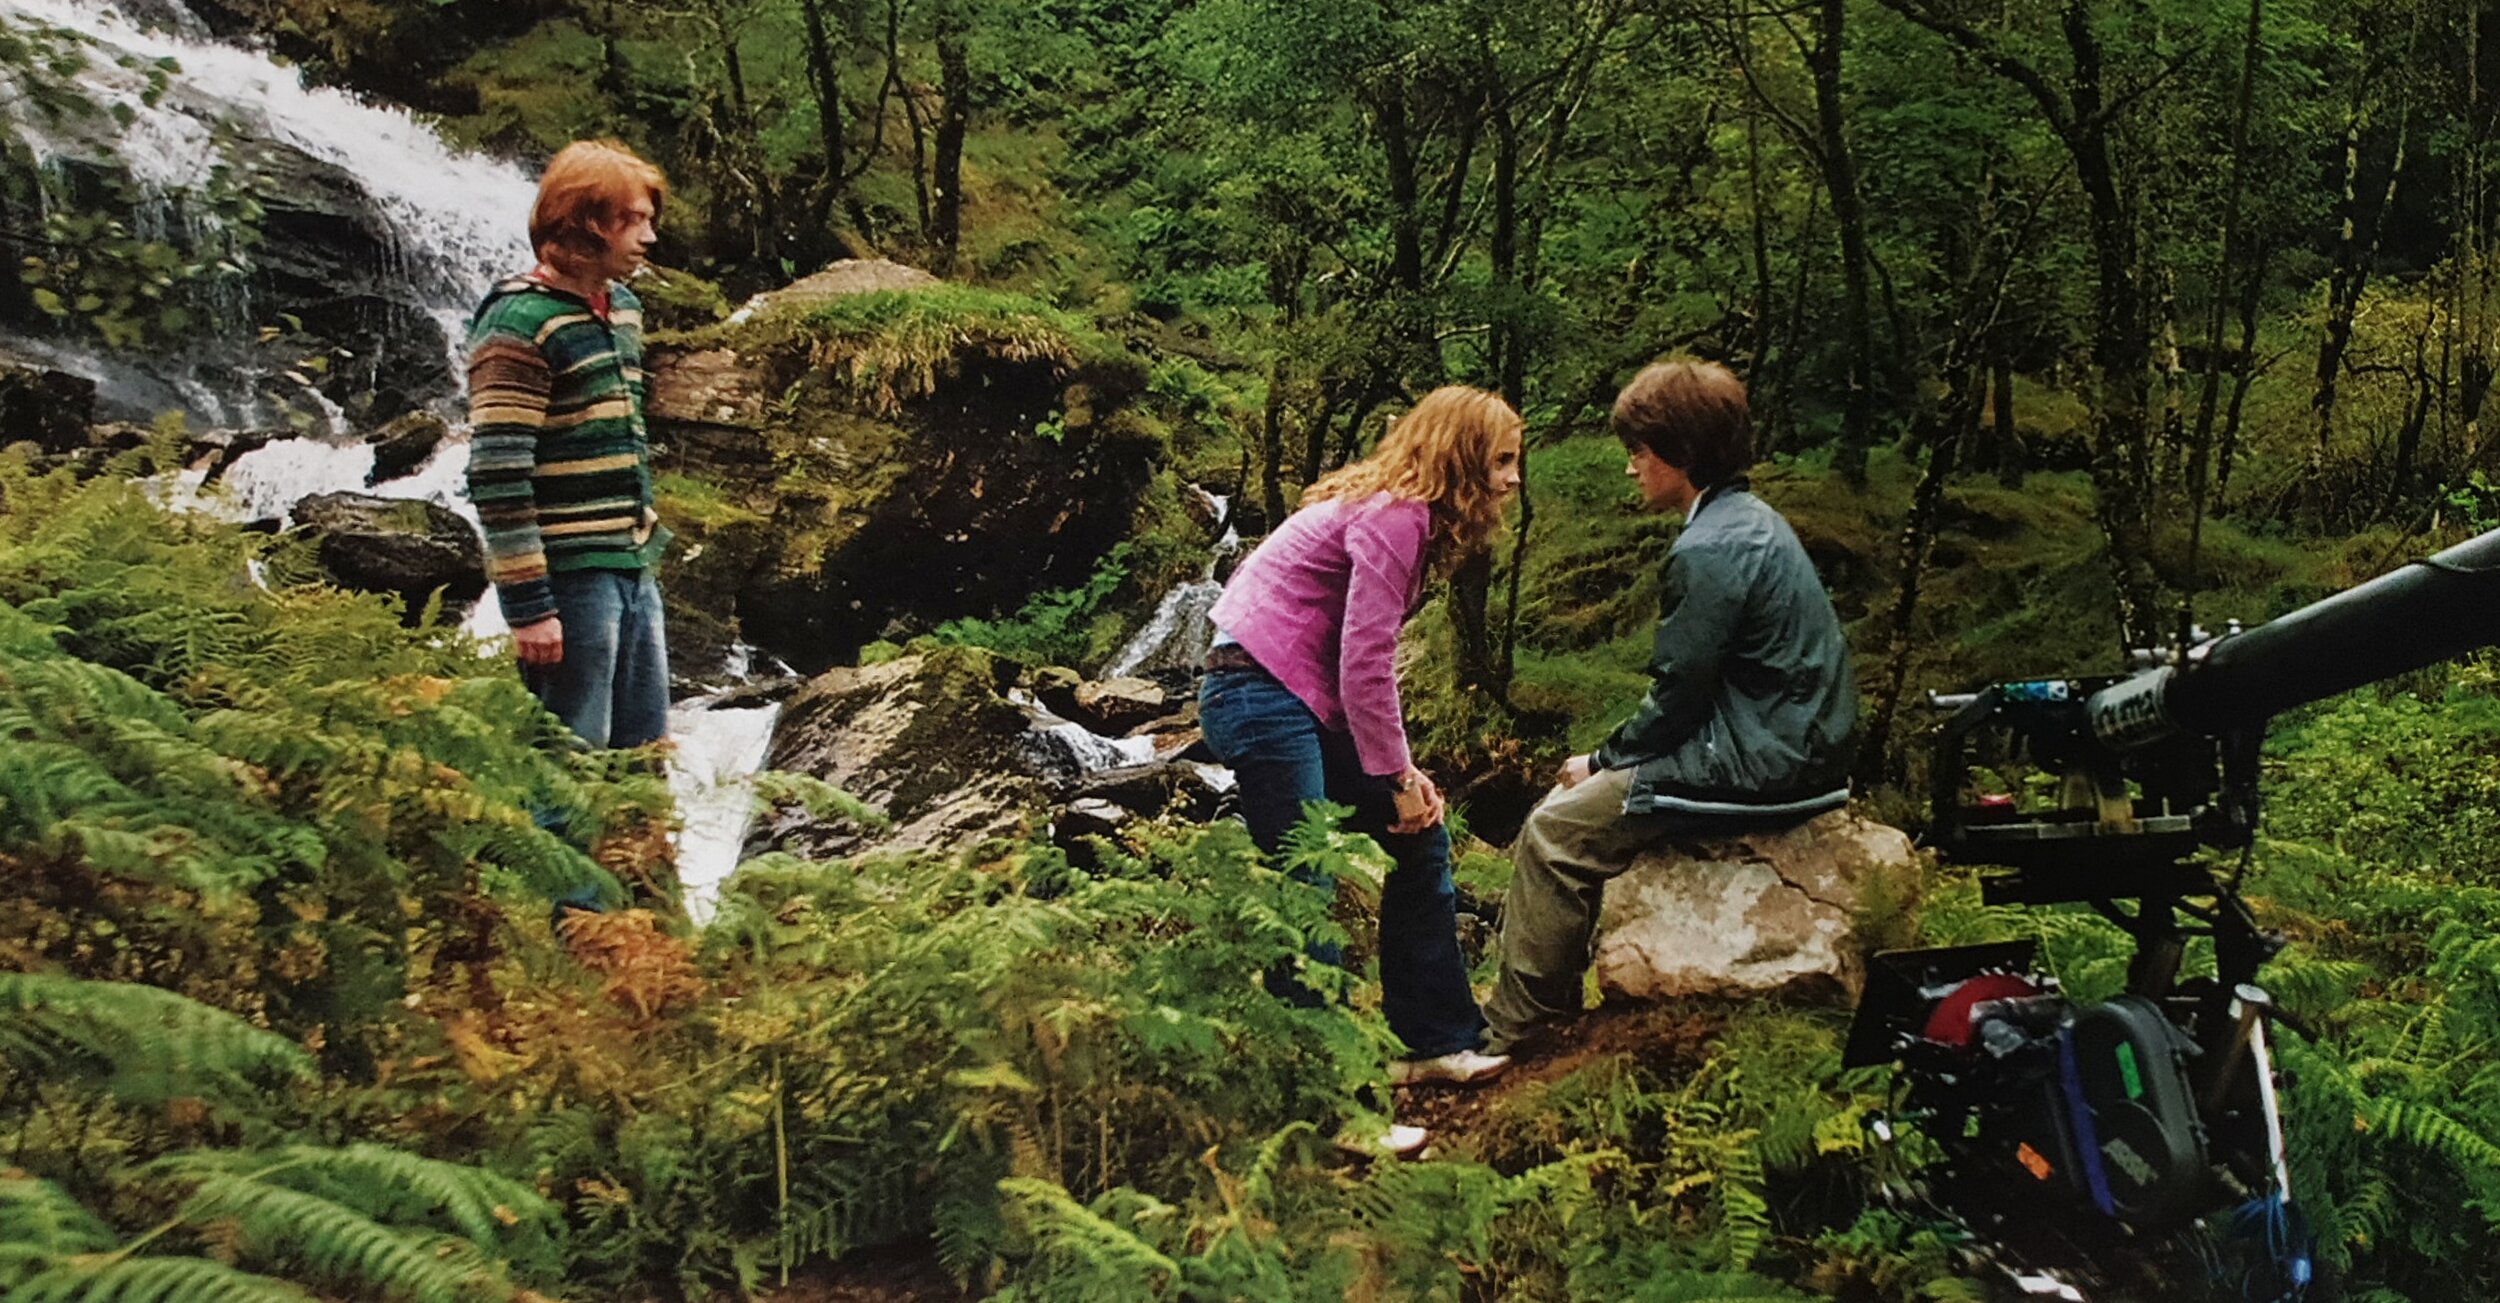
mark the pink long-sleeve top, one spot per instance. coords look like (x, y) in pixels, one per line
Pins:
(1320, 603)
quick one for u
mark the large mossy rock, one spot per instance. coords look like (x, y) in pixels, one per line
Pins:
(931, 740)
(1754, 914)
(880, 452)
(409, 549)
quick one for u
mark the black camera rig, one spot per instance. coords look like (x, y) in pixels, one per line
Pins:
(2156, 1108)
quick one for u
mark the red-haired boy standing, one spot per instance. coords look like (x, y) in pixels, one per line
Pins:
(560, 465)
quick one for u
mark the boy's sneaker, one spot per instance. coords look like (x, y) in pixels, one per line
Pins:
(1392, 1142)
(1458, 1067)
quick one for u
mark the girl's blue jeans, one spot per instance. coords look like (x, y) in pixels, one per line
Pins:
(1283, 758)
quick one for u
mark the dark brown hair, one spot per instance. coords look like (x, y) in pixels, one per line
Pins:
(1690, 415)
(588, 186)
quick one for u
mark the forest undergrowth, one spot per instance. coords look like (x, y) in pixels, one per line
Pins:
(283, 1014)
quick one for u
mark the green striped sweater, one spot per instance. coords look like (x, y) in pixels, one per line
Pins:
(559, 465)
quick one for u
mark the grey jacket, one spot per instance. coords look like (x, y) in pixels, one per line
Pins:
(1751, 702)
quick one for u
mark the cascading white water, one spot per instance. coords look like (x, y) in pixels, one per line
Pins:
(1180, 631)
(718, 753)
(453, 221)
(1178, 634)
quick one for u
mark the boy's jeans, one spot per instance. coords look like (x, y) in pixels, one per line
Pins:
(1283, 758)
(612, 685)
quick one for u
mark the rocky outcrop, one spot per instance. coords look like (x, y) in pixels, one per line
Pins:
(1767, 912)
(896, 452)
(950, 745)
(1114, 706)
(406, 548)
(931, 740)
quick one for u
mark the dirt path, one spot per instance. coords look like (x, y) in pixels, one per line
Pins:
(1670, 1039)
(895, 1273)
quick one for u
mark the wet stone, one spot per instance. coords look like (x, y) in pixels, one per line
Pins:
(1118, 705)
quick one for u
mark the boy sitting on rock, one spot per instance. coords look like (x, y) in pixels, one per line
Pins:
(1751, 708)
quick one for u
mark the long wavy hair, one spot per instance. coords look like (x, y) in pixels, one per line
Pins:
(1441, 454)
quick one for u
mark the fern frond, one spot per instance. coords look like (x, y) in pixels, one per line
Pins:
(275, 1223)
(2429, 1127)
(1086, 1245)
(145, 1044)
(155, 1280)
(41, 1225)
(385, 1183)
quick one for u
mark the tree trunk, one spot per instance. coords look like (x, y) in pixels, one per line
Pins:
(1956, 421)
(2409, 438)
(912, 118)
(2356, 248)
(1759, 227)
(1406, 239)
(1315, 431)
(2120, 355)
(954, 118)
(2226, 265)
(1272, 446)
(2009, 440)
(2252, 293)
(824, 75)
(1840, 177)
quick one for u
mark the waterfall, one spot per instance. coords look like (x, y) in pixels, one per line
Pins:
(1179, 633)
(449, 222)
(718, 753)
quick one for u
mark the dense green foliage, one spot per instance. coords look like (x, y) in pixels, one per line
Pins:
(2056, 316)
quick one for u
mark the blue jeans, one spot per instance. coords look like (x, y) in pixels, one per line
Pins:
(612, 685)
(1283, 757)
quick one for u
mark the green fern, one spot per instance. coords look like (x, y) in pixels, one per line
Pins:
(141, 1044)
(385, 1183)
(40, 1225)
(291, 1229)
(1094, 1257)
(156, 1280)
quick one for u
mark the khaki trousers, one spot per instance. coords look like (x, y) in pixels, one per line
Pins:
(1574, 842)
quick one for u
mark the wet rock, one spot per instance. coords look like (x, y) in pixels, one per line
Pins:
(1090, 817)
(769, 691)
(1064, 753)
(1156, 789)
(1767, 912)
(49, 409)
(930, 739)
(1118, 705)
(218, 450)
(1182, 720)
(404, 445)
(709, 406)
(406, 548)
(1055, 687)
(702, 651)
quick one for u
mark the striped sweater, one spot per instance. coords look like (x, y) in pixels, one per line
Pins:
(559, 466)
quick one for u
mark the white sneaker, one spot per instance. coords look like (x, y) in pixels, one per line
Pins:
(1394, 1142)
(1458, 1067)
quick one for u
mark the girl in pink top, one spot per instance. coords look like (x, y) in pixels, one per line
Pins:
(1301, 695)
